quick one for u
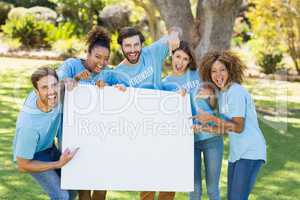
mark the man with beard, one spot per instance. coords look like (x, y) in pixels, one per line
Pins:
(142, 67)
(36, 128)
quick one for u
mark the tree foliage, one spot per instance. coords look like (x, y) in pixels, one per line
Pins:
(276, 27)
(83, 13)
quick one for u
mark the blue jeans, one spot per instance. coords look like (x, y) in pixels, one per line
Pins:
(241, 178)
(50, 180)
(212, 150)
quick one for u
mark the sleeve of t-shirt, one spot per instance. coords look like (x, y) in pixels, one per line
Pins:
(159, 49)
(109, 77)
(117, 77)
(169, 86)
(27, 140)
(65, 71)
(236, 103)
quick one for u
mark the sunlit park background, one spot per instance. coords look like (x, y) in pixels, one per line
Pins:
(265, 33)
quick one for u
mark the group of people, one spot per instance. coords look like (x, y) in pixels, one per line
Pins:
(220, 106)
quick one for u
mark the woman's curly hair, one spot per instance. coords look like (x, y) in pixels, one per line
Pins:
(98, 36)
(232, 62)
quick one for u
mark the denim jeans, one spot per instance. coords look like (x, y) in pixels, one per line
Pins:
(212, 150)
(50, 180)
(241, 178)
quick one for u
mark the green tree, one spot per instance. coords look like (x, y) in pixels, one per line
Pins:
(83, 13)
(31, 3)
(276, 27)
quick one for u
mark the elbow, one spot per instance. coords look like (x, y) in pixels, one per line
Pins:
(22, 166)
(22, 169)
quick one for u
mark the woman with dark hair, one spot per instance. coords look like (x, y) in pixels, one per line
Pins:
(238, 119)
(90, 70)
(98, 51)
(185, 79)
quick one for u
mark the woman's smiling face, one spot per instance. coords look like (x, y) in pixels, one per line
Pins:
(219, 74)
(180, 61)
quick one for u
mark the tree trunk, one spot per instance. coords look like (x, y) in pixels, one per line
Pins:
(150, 11)
(212, 27)
(176, 13)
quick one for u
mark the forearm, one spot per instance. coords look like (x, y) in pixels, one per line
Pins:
(38, 166)
(222, 126)
(214, 130)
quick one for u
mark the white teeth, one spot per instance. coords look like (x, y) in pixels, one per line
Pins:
(132, 54)
(178, 68)
(51, 96)
(220, 81)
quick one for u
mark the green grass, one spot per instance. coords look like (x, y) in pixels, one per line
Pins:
(278, 180)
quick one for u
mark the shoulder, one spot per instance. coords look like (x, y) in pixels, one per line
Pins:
(120, 66)
(72, 61)
(193, 73)
(237, 88)
(30, 102)
(237, 91)
(168, 78)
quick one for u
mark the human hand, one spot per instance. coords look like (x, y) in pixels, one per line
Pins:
(83, 75)
(66, 156)
(120, 87)
(70, 84)
(101, 84)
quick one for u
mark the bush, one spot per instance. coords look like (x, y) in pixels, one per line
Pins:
(17, 13)
(31, 3)
(4, 10)
(270, 63)
(43, 13)
(67, 48)
(64, 31)
(40, 13)
(29, 31)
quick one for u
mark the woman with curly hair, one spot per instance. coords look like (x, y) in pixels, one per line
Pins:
(238, 120)
(91, 70)
(88, 70)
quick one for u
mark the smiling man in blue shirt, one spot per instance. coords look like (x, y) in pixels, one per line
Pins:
(142, 66)
(36, 128)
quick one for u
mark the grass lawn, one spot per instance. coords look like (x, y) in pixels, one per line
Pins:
(278, 180)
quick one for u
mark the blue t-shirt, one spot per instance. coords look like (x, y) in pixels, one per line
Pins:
(250, 143)
(191, 82)
(73, 66)
(147, 72)
(35, 129)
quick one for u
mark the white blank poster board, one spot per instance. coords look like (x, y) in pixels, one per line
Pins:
(138, 140)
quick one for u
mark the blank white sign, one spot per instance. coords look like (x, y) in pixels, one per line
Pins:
(138, 140)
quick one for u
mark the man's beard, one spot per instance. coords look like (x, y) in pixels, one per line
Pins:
(49, 103)
(132, 61)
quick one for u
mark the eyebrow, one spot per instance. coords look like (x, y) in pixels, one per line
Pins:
(99, 54)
